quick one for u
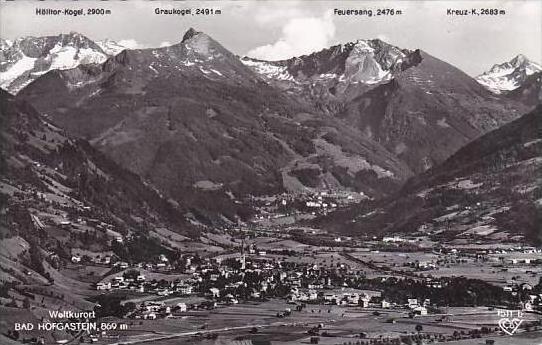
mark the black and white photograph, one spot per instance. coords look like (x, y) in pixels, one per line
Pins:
(272, 172)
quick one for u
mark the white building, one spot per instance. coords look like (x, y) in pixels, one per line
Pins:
(420, 310)
(413, 303)
(185, 289)
(182, 307)
(103, 286)
(150, 316)
(215, 292)
(393, 239)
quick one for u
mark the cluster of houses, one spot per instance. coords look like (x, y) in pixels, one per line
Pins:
(152, 310)
(161, 264)
(422, 265)
(219, 281)
(319, 202)
(222, 280)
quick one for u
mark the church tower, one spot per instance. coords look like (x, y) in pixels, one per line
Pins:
(243, 257)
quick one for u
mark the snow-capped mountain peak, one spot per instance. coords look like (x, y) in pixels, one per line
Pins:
(509, 75)
(363, 61)
(26, 58)
(372, 61)
(201, 45)
(519, 60)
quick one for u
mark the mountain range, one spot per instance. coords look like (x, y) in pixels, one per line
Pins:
(25, 59)
(193, 115)
(402, 99)
(489, 190)
(210, 130)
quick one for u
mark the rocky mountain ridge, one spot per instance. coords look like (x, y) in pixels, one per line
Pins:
(25, 59)
(488, 191)
(509, 75)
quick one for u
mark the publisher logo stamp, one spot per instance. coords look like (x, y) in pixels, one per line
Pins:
(510, 321)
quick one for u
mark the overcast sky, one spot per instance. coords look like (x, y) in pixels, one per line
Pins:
(281, 29)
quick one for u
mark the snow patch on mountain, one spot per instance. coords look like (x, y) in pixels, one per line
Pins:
(268, 69)
(5, 44)
(111, 47)
(19, 68)
(62, 57)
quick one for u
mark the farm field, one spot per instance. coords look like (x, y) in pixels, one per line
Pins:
(490, 270)
(337, 324)
(534, 338)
